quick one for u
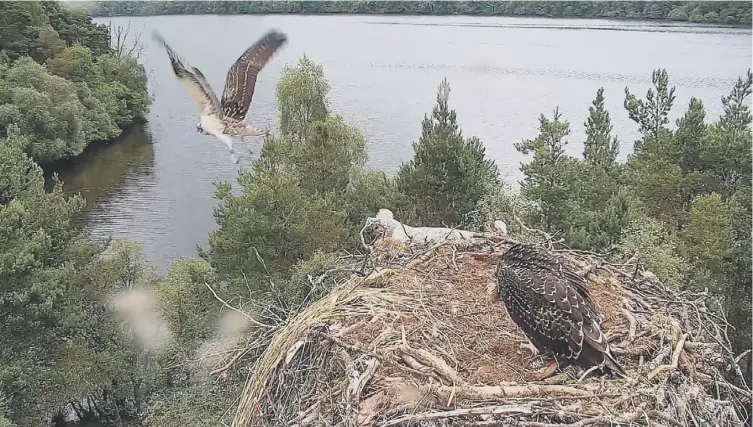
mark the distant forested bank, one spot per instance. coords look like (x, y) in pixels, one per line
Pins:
(710, 12)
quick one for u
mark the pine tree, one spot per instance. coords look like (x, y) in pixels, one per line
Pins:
(600, 149)
(448, 174)
(548, 176)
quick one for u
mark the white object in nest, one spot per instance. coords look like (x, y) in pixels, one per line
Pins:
(396, 230)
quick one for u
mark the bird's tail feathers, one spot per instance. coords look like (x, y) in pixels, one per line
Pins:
(251, 130)
(611, 362)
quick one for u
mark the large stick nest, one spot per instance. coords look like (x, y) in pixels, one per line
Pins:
(418, 342)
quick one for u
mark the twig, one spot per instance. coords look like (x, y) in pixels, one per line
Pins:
(514, 391)
(585, 374)
(343, 344)
(486, 410)
(427, 358)
(609, 421)
(237, 310)
(743, 354)
(632, 321)
(675, 359)
(230, 363)
(546, 235)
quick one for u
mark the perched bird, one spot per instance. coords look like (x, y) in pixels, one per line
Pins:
(227, 119)
(552, 305)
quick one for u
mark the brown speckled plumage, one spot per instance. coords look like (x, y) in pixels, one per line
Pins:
(227, 118)
(552, 305)
(241, 78)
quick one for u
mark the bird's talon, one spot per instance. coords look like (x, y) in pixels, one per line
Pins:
(545, 372)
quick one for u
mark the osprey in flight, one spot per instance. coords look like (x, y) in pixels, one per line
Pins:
(552, 305)
(227, 119)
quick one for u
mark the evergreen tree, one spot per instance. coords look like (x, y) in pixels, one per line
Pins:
(448, 175)
(549, 175)
(600, 149)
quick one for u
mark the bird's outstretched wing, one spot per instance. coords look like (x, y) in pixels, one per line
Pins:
(241, 78)
(193, 79)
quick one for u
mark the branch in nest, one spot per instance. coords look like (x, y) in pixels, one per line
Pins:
(358, 380)
(609, 421)
(632, 321)
(428, 359)
(675, 359)
(231, 362)
(549, 238)
(514, 391)
(343, 344)
(486, 410)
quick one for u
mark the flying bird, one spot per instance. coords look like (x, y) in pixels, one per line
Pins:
(226, 119)
(551, 303)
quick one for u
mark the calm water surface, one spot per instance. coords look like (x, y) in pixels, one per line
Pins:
(155, 184)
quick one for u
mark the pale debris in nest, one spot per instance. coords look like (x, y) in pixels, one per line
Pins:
(408, 235)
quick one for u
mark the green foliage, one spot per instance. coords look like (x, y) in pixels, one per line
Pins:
(448, 175)
(57, 340)
(717, 12)
(585, 200)
(294, 199)
(550, 174)
(658, 249)
(198, 405)
(368, 192)
(185, 301)
(302, 98)
(271, 226)
(333, 152)
(87, 92)
(682, 201)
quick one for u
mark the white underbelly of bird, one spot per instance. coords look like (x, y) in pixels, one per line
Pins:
(213, 125)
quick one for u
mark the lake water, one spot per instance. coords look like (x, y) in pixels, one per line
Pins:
(155, 184)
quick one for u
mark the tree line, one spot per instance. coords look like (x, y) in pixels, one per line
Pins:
(63, 84)
(712, 12)
(71, 342)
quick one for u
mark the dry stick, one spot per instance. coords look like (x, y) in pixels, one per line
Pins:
(486, 410)
(231, 362)
(546, 235)
(248, 316)
(427, 358)
(585, 374)
(743, 354)
(343, 344)
(633, 322)
(675, 359)
(514, 391)
(602, 420)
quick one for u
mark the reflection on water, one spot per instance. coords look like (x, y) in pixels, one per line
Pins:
(100, 173)
(117, 180)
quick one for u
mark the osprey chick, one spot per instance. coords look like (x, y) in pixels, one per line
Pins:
(227, 119)
(553, 307)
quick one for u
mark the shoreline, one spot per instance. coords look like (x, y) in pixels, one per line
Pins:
(670, 22)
